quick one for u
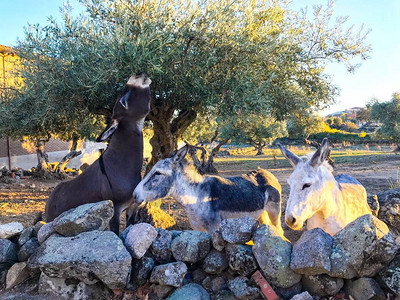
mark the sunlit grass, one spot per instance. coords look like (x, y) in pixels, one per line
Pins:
(245, 158)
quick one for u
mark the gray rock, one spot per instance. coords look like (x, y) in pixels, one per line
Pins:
(217, 240)
(86, 217)
(273, 254)
(8, 254)
(310, 254)
(3, 278)
(290, 292)
(161, 291)
(161, 247)
(139, 239)
(28, 249)
(362, 248)
(63, 288)
(26, 235)
(390, 275)
(124, 233)
(141, 270)
(242, 290)
(198, 275)
(191, 291)
(224, 295)
(389, 212)
(218, 284)
(238, 231)
(302, 296)
(373, 203)
(191, 246)
(206, 283)
(10, 229)
(16, 274)
(88, 257)
(364, 289)
(241, 259)
(169, 274)
(45, 231)
(322, 285)
(215, 262)
(37, 227)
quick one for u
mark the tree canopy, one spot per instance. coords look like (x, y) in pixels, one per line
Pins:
(221, 56)
(388, 113)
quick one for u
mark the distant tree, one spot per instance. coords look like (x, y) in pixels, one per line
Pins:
(388, 114)
(255, 130)
(349, 126)
(337, 122)
(364, 114)
(302, 126)
(214, 55)
(204, 138)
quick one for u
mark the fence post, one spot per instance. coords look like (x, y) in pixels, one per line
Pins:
(9, 153)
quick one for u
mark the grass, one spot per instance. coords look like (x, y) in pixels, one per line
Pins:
(272, 158)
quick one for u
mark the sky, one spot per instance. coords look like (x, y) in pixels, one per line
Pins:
(378, 77)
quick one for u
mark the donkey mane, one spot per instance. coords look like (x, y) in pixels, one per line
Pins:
(190, 172)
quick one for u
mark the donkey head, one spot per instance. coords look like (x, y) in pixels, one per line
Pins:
(308, 183)
(159, 182)
(133, 106)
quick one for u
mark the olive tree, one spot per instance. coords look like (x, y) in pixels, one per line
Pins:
(221, 56)
(388, 114)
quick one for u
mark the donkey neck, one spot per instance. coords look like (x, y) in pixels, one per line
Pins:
(126, 147)
(186, 187)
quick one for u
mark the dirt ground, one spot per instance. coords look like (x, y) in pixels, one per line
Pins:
(22, 200)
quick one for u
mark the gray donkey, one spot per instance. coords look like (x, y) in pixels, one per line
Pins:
(210, 199)
(117, 172)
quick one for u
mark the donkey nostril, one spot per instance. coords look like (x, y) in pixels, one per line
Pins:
(290, 220)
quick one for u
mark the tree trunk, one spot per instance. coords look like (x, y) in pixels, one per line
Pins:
(204, 166)
(67, 158)
(43, 170)
(167, 131)
(260, 147)
(42, 157)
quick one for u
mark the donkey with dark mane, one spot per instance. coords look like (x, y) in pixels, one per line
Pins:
(210, 199)
(118, 170)
(325, 201)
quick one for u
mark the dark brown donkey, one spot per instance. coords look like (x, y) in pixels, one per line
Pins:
(117, 172)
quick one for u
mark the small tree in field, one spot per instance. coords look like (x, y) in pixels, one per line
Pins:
(204, 135)
(302, 126)
(388, 114)
(223, 56)
(257, 131)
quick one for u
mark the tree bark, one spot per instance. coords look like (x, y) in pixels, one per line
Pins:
(67, 158)
(42, 157)
(260, 147)
(204, 166)
(167, 131)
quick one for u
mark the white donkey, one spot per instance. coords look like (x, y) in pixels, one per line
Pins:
(316, 195)
(210, 199)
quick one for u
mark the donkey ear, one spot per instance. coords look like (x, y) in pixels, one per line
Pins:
(321, 155)
(124, 99)
(108, 131)
(181, 153)
(291, 157)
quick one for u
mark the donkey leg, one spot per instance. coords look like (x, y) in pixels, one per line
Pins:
(273, 207)
(115, 220)
(131, 214)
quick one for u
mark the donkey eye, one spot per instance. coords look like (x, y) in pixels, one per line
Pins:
(156, 173)
(307, 185)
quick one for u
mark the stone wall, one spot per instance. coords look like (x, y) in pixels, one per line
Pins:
(75, 257)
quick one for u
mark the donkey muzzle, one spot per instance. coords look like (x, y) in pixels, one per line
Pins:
(293, 222)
